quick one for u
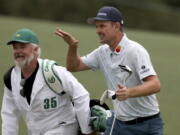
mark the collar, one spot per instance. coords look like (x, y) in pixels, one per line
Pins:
(120, 46)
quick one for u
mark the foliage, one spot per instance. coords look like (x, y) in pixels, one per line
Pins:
(137, 13)
(173, 3)
(163, 48)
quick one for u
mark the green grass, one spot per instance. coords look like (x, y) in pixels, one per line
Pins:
(163, 48)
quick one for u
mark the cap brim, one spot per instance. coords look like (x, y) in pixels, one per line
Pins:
(15, 41)
(93, 19)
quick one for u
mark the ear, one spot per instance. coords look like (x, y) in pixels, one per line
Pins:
(117, 25)
(36, 49)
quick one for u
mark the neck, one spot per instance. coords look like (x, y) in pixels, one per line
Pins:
(29, 69)
(115, 42)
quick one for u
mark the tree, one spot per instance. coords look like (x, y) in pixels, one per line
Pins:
(173, 3)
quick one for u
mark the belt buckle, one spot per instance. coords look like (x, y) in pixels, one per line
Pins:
(137, 120)
(133, 122)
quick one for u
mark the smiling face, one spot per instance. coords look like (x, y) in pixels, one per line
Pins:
(24, 54)
(108, 32)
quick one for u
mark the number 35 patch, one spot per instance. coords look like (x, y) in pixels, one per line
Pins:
(50, 103)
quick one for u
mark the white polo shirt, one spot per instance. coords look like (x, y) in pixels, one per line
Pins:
(137, 58)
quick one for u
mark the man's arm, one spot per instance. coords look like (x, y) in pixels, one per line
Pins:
(150, 86)
(79, 96)
(9, 114)
(73, 61)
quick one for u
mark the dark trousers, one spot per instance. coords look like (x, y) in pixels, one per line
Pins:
(152, 126)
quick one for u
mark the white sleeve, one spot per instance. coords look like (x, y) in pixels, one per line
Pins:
(143, 63)
(81, 99)
(82, 109)
(91, 60)
(9, 114)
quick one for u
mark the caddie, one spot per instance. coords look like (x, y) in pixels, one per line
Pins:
(28, 92)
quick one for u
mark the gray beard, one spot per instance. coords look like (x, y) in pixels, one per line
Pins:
(25, 62)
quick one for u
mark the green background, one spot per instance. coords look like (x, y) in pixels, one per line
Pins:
(163, 48)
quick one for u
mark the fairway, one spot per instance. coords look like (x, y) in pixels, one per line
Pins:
(163, 48)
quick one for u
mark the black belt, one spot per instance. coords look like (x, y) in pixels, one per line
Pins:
(141, 119)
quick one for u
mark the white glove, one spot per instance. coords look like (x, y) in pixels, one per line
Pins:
(99, 116)
(107, 94)
(111, 94)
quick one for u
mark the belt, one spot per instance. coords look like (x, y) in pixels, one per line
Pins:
(141, 119)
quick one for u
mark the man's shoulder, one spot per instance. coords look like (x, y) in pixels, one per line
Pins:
(60, 68)
(134, 45)
(103, 46)
(7, 78)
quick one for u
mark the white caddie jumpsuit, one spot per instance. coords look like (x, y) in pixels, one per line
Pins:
(48, 113)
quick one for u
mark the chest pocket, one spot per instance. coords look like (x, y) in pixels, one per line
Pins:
(120, 74)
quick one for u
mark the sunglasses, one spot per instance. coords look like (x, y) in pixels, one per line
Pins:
(22, 90)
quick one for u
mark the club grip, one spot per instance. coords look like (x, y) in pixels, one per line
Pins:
(114, 96)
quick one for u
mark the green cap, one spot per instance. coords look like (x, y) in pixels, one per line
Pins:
(24, 36)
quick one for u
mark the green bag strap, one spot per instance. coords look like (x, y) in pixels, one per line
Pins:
(50, 77)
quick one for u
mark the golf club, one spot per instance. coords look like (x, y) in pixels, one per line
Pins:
(111, 94)
(127, 69)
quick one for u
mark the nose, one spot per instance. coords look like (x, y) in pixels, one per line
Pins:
(97, 30)
(17, 50)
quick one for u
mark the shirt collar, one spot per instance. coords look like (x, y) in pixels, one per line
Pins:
(123, 40)
(120, 46)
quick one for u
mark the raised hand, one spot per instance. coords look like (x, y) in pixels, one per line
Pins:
(68, 38)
